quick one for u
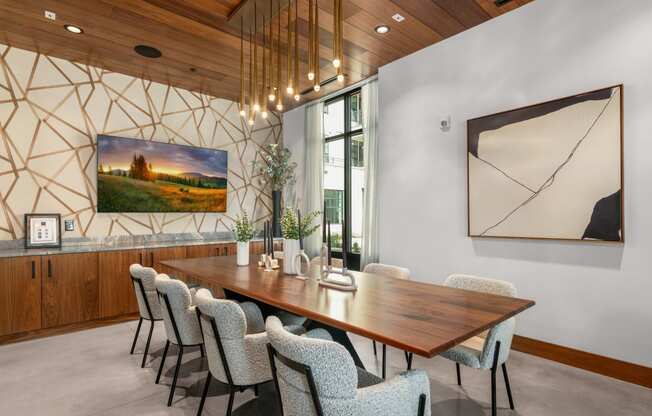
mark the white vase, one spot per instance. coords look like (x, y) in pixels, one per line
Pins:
(243, 253)
(290, 250)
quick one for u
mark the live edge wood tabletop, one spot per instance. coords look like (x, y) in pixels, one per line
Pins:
(422, 318)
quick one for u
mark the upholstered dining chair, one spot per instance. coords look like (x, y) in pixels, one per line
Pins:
(181, 323)
(490, 349)
(236, 344)
(149, 308)
(315, 376)
(396, 272)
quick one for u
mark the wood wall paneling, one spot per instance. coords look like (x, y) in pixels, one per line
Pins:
(20, 294)
(70, 288)
(116, 291)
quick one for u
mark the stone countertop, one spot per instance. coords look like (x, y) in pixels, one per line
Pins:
(18, 250)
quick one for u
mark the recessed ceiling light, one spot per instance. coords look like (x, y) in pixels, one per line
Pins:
(382, 29)
(398, 17)
(147, 51)
(74, 29)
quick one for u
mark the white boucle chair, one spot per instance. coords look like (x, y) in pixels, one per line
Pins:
(315, 376)
(396, 272)
(491, 349)
(236, 344)
(149, 308)
(181, 322)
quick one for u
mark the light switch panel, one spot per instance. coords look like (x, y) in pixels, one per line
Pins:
(69, 225)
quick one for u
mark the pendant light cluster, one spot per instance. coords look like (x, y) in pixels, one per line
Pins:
(266, 91)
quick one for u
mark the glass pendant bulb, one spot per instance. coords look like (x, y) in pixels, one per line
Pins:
(311, 75)
(297, 97)
(317, 87)
(279, 107)
(336, 63)
(243, 113)
(256, 107)
(251, 121)
(340, 77)
(290, 90)
(271, 98)
(264, 114)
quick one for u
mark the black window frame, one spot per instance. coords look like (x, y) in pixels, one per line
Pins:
(353, 259)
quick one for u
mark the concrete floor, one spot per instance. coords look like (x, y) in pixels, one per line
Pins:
(91, 373)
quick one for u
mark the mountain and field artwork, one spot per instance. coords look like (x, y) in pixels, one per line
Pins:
(145, 176)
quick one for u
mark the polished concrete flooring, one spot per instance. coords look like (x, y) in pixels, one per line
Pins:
(91, 373)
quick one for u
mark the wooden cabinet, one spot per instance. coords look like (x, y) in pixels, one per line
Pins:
(70, 288)
(116, 291)
(155, 255)
(20, 294)
(211, 250)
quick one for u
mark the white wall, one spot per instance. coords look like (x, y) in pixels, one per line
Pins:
(591, 296)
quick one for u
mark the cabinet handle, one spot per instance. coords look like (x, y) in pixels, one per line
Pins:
(49, 268)
(141, 258)
(33, 269)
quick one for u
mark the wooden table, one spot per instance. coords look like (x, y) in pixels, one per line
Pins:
(421, 318)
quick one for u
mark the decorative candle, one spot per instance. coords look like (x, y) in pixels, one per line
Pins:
(330, 262)
(300, 233)
(344, 246)
(323, 226)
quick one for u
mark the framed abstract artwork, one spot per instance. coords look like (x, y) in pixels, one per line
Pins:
(549, 171)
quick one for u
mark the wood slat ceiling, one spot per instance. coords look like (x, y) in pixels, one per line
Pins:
(201, 51)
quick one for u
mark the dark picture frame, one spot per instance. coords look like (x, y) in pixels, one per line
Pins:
(50, 224)
(597, 228)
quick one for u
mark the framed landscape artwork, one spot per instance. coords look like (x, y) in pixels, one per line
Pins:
(136, 175)
(549, 171)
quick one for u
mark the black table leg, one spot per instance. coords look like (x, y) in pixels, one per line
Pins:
(338, 335)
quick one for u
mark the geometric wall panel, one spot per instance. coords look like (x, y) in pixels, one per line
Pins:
(51, 112)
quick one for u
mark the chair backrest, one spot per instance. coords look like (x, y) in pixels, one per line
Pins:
(388, 270)
(297, 360)
(502, 332)
(180, 319)
(224, 326)
(143, 279)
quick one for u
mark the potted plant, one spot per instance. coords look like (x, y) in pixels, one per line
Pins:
(276, 170)
(244, 232)
(292, 232)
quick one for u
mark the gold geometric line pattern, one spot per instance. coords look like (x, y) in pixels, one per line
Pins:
(51, 111)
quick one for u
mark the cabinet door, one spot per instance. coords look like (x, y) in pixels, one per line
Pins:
(20, 294)
(70, 289)
(207, 250)
(156, 255)
(117, 295)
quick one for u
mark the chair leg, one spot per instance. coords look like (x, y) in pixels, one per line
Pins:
(493, 392)
(375, 351)
(205, 393)
(176, 375)
(133, 344)
(160, 368)
(509, 389)
(229, 408)
(256, 390)
(459, 374)
(149, 338)
(422, 405)
(201, 349)
(384, 360)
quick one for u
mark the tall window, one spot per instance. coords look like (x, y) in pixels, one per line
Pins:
(344, 173)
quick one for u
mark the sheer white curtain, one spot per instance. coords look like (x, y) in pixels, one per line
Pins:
(369, 250)
(314, 165)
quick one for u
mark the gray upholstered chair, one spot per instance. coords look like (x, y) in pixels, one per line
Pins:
(181, 322)
(236, 344)
(148, 305)
(316, 376)
(396, 272)
(490, 349)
